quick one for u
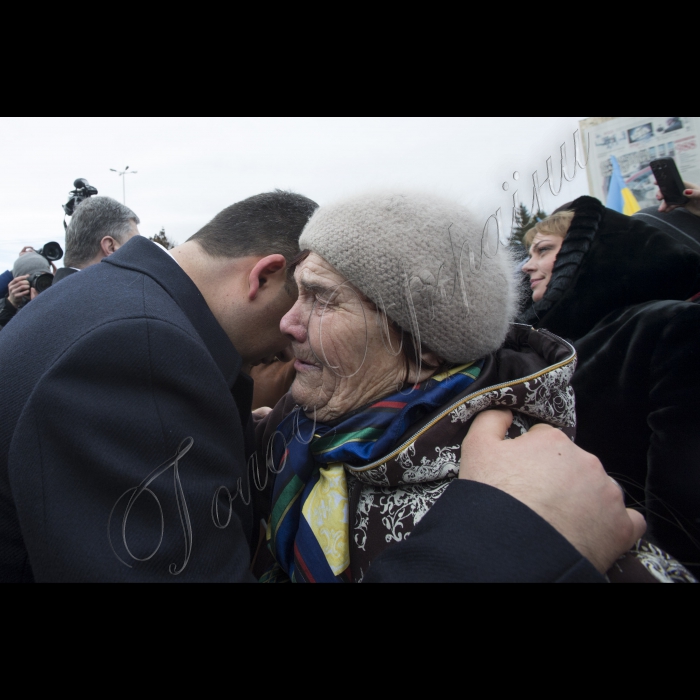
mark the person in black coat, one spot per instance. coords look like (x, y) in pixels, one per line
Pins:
(619, 290)
(126, 413)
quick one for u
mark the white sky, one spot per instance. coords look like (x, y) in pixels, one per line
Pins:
(190, 168)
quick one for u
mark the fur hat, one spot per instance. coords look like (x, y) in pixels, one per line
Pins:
(30, 263)
(425, 262)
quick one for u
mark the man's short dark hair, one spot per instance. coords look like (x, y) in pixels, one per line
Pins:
(266, 224)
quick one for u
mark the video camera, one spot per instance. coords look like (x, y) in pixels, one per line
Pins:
(83, 190)
(51, 251)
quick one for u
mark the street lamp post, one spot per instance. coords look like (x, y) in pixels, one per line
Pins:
(122, 174)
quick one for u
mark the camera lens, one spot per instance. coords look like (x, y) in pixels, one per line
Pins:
(41, 281)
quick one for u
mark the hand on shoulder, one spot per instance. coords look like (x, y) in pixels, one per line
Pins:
(564, 485)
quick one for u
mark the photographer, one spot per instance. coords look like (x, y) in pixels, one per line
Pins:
(99, 227)
(32, 275)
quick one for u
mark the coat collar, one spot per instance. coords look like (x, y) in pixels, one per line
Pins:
(142, 255)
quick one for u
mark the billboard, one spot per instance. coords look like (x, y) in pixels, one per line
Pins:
(636, 141)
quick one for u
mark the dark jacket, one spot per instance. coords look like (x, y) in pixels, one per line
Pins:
(618, 293)
(679, 224)
(104, 381)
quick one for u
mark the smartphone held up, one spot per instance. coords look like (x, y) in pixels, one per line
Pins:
(670, 182)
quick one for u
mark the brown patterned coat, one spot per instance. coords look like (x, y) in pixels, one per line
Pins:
(530, 375)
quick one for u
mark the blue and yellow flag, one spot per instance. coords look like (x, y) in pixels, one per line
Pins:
(620, 197)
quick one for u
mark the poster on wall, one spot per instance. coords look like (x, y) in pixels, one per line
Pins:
(636, 142)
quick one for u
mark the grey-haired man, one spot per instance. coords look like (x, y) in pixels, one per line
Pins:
(99, 227)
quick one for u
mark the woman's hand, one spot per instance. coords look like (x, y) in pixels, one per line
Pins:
(559, 481)
(693, 206)
(19, 290)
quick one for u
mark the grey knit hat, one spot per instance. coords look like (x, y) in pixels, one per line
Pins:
(426, 263)
(30, 263)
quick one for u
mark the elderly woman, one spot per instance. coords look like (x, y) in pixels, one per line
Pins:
(401, 335)
(618, 289)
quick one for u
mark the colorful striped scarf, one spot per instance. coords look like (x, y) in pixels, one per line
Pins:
(308, 533)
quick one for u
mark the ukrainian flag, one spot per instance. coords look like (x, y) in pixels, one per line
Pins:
(620, 197)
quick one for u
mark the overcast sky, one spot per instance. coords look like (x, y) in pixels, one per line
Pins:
(189, 168)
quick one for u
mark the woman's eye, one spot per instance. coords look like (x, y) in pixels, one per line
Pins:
(323, 303)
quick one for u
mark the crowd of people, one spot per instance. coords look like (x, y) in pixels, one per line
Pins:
(354, 393)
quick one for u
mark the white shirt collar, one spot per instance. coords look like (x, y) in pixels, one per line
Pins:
(167, 252)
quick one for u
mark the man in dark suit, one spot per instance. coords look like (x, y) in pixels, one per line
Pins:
(125, 412)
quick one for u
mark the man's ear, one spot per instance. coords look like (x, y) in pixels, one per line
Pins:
(271, 266)
(109, 246)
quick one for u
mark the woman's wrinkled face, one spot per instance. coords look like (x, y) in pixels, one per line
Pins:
(344, 357)
(543, 256)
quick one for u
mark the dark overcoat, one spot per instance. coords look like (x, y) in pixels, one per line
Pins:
(122, 419)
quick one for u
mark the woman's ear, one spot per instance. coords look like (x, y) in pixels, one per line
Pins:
(430, 364)
(432, 359)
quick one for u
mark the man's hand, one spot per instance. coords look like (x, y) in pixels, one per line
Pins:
(19, 290)
(693, 206)
(559, 481)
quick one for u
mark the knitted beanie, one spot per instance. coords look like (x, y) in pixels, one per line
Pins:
(30, 263)
(427, 264)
